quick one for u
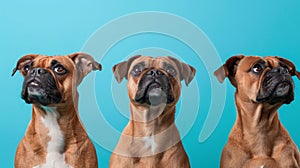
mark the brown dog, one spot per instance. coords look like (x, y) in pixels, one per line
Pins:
(55, 137)
(151, 138)
(258, 139)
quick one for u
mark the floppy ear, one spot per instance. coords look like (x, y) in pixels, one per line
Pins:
(120, 70)
(291, 66)
(24, 61)
(229, 69)
(84, 64)
(187, 72)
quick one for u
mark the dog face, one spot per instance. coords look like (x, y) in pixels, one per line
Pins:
(53, 79)
(154, 81)
(260, 80)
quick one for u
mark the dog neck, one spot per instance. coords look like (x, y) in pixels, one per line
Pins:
(149, 120)
(146, 135)
(256, 117)
(257, 125)
(51, 125)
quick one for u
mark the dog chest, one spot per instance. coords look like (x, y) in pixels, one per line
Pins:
(55, 147)
(149, 143)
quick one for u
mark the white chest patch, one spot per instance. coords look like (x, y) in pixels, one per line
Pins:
(150, 143)
(55, 157)
(262, 166)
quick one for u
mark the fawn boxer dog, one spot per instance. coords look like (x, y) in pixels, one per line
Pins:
(55, 137)
(151, 138)
(258, 139)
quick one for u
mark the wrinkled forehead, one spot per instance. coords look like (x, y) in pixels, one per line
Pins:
(247, 62)
(273, 61)
(48, 61)
(149, 61)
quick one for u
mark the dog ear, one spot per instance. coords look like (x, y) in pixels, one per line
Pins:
(228, 69)
(23, 62)
(291, 66)
(187, 72)
(84, 64)
(120, 70)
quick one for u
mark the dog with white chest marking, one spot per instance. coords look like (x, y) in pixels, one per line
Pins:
(55, 137)
(151, 138)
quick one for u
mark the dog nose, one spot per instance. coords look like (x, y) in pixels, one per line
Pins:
(154, 72)
(38, 71)
(281, 70)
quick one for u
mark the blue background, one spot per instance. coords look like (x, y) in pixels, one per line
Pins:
(234, 27)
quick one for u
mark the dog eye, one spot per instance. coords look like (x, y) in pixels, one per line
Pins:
(137, 70)
(257, 68)
(59, 69)
(286, 69)
(170, 70)
(26, 68)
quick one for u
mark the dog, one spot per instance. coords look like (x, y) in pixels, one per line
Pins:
(55, 137)
(151, 138)
(258, 139)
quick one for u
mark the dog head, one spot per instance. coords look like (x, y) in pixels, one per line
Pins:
(154, 81)
(53, 79)
(260, 79)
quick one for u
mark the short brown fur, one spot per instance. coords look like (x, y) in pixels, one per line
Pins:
(257, 139)
(169, 152)
(79, 150)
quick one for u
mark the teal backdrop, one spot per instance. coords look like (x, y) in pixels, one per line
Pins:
(62, 27)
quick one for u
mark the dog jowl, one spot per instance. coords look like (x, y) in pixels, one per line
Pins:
(55, 131)
(154, 86)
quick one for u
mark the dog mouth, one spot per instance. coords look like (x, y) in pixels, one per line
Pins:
(276, 91)
(36, 91)
(154, 93)
(154, 89)
(282, 89)
(34, 88)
